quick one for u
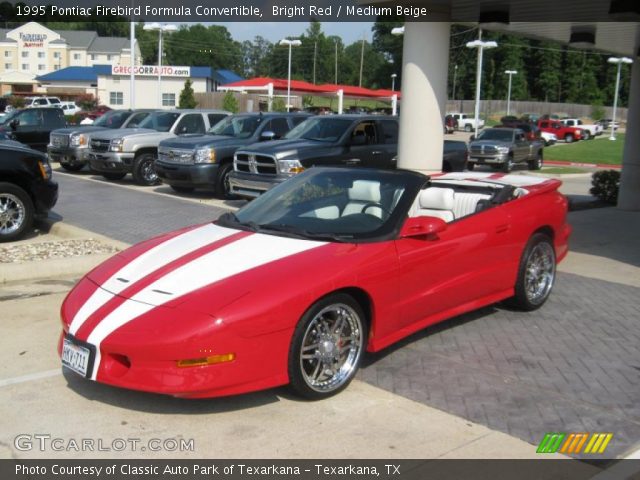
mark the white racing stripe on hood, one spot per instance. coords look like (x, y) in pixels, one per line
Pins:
(237, 257)
(146, 263)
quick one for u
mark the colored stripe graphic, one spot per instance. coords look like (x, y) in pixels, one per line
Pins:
(551, 442)
(572, 443)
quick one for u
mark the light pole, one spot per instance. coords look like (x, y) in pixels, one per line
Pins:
(619, 61)
(167, 27)
(511, 73)
(393, 82)
(290, 43)
(480, 45)
(455, 74)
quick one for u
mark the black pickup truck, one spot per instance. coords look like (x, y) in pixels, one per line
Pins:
(26, 188)
(357, 140)
(32, 126)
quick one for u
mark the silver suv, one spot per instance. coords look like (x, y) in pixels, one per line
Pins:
(114, 153)
(30, 102)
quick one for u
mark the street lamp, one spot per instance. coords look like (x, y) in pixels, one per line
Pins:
(511, 73)
(455, 74)
(167, 27)
(291, 43)
(397, 31)
(393, 82)
(480, 45)
(619, 61)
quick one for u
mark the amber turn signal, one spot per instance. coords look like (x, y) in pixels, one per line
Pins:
(212, 360)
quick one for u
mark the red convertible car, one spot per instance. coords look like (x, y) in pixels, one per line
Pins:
(295, 286)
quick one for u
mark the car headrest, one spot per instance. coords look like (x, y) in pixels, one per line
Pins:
(365, 191)
(436, 199)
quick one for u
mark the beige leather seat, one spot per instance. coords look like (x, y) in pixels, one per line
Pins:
(436, 202)
(362, 193)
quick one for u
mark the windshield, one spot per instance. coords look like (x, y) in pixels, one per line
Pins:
(324, 129)
(160, 121)
(499, 135)
(112, 119)
(9, 117)
(236, 126)
(334, 204)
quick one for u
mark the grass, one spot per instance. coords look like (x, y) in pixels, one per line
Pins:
(332, 102)
(598, 151)
(561, 170)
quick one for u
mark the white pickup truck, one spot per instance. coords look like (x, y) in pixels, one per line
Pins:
(589, 130)
(466, 122)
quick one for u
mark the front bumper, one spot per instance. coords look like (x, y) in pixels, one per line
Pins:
(111, 162)
(488, 159)
(250, 185)
(199, 175)
(70, 155)
(45, 196)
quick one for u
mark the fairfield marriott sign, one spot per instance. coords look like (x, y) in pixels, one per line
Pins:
(151, 70)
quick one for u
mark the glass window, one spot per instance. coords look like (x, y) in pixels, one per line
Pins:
(168, 99)
(53, 115)
(42, 67)
(7, 66)
(116, 98)
(239, 126)
(92, 56)
(160, 121)
(214, 118)
(136, 119)
(279, 126)
(25, 54)
(7, 54)
(76, 56)
(495, 134)
(368, 130)
(41, 55)
(25, 66)
(56, 54)
(29, 118)
(325, 129)
(390, 131)
(191, 123)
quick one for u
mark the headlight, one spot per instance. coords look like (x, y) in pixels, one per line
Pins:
(78, 140)
(290, 166)
(503, 149)
(116, 145)
(205, 155)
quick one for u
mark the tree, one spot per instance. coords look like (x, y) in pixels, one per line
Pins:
(278, 105)
(187, 98)
(230, 102)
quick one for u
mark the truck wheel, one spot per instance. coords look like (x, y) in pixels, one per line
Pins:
(71, 167)
(470, 166)
(114, 175)
(586, 135)
(16, 212)
(467, 128)
(144, 169)
(223, 189)
(535, 164)
(507, 166)
(568, 138)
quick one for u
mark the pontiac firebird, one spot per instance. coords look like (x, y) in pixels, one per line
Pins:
(296, 285)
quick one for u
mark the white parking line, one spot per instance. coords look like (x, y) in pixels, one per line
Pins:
(633, 455)
(201, 201)
(28, 378)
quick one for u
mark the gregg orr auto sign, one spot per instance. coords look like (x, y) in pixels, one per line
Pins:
(151, 70)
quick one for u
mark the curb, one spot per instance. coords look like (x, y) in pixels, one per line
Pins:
(68, 231)
(580, 164)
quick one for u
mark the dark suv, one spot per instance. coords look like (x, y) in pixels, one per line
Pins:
(32, 126)
(26, 189)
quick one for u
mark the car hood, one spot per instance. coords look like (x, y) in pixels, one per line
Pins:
(284, 148)
(78, 129)
(200, 141)
(492, 143)
(125, 132)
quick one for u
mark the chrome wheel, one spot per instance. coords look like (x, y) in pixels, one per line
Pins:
(540, 272)
(12, 213)
(331, 348)
(148, 171)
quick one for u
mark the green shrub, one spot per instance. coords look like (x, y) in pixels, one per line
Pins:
(278, 105)
(187, 97)
(597, 112)
(230, 102)
(606, 184)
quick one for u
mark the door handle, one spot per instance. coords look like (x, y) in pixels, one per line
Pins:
(376, 152)
(352, 161)
(502, 228)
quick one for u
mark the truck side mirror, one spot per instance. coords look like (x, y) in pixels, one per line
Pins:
(14, 123)
(267, 135)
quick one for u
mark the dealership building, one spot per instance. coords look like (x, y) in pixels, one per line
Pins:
(32, 50)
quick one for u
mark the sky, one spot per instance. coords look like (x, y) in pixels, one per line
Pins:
(274, 31)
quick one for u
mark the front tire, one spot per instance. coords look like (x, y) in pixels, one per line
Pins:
(72, 167)
(507, 166)
(16, 212)
(144, 169)
(537, 163)
(223, 188)
(568, 138)
(536, 274)
(327, 347)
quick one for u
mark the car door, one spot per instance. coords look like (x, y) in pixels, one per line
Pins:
(363, 145)
(28, 128)
(389, 130)
(521, 146)
(472, 259)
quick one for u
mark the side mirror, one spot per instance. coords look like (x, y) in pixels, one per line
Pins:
(472, 138)
(358, 140)
(422, 227)
(14, 123)
(267, 135)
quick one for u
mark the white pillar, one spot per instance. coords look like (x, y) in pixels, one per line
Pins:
(340, 101)
(425, 57)
(132, 78)
(629, 195)
(269, 97)
(394, 105)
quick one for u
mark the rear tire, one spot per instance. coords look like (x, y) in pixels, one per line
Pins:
(144, 169)
(586, 135)
(114, 175)
(536, 274)
(16, 212)
(568, 138)
(467, 128)
(537, 163)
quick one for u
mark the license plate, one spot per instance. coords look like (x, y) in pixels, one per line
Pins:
(76, 357)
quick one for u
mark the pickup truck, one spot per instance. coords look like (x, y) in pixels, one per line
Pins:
(70, 145)
(366, 141)
(32, 126)
(589, 130)
(114, 153)
(560, 130)
(465, 122)
(205, 161)
(503, 148)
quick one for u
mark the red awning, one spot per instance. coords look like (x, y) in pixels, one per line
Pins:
(306, 87)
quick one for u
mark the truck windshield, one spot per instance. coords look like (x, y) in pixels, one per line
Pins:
(160, 121)
(326, 129)
(499, 135)
(243, 126)
(112, 119)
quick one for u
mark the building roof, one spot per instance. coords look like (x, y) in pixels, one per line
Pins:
(108, 45)
(226, 76)
(77, 38)
(90, 74)
(3, 35)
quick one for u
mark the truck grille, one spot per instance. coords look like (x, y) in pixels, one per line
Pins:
(98, 145)
(59, 140)
(175, 155)
(483, 149)
(251, 163)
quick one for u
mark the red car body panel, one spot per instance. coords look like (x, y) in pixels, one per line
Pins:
(559, 129)
(211, 290)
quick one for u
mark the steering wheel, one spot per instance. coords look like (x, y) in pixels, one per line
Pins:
(368, 205)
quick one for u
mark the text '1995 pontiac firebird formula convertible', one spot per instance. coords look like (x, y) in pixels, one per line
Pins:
(294, 287)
